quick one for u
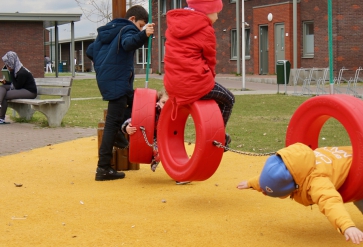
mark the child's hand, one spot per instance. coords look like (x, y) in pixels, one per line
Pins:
(3, 81)
(354, 234)
(242, 185)
(149, 29)
(130, 130)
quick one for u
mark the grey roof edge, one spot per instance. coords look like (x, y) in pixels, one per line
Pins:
(48, 19)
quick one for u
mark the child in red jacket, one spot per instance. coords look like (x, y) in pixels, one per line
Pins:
(310, 177)
(190, 57)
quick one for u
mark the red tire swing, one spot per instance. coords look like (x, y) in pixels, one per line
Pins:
(307, 121)
(143, 115)
(209, 127)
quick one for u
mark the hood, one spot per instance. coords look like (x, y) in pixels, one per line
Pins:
(300, 160)
(184, 22)
(109, 31)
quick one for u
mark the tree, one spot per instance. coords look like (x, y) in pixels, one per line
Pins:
(100, 11)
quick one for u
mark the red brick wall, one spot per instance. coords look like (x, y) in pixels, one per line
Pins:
(27, 40)
(347, 33)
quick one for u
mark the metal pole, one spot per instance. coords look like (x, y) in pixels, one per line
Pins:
(149, 47)
(72, 51)
(294, 14)
(243, 47)
(238, 27)
(330, 34)
(159, 39)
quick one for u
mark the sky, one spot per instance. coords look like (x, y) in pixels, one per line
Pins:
(83, 27)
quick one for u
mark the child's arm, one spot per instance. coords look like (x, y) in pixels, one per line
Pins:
(353, 234)
(209, 52)
(250, 184)
(323, 193)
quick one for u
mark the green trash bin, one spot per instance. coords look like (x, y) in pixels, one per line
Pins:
(283, 72)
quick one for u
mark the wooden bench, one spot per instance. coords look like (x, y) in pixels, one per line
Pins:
(53, 108)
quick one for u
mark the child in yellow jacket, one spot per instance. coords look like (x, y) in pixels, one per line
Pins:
(310, 177)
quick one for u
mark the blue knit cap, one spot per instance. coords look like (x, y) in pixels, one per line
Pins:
(275, 178)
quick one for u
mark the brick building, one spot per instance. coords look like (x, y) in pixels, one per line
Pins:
(26, 34)
(268, 40)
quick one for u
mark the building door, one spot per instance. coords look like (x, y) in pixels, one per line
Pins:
(263, 50)
(279, 42)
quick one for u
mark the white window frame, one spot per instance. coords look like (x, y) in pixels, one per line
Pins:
(308, 39)
(234, 44)
(178, 4)
(163, 40)
(163, 7)
(144, 52)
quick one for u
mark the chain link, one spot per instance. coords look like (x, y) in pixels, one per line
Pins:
(145, 137)
(219, 145)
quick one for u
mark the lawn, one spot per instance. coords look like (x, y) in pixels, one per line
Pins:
(258, 123)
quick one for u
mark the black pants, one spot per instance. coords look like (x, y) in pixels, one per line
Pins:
(117, 111)
(224, 98)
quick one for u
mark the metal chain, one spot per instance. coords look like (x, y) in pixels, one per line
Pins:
(145, 137)
(219, 145)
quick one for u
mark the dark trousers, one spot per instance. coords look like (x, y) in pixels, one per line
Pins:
(224, 98)
(117, 111)
(6, 93)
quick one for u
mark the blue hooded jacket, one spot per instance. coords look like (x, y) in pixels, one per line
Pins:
(112, 54)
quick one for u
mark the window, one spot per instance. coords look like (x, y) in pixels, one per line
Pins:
(176, 3)
(234, 44)
(308, 39)
(141, 55)
(163, 39)
(248, 43)
(163, 6)
(79, 59)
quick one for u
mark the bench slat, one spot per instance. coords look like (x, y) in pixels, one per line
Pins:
(54, 82)
(59, 91)
(37, 101)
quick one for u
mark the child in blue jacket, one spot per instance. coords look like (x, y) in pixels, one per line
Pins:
(112, 54)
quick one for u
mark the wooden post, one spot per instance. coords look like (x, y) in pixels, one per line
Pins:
(118, 9)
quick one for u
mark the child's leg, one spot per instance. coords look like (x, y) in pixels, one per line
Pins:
(224, 98)
(359, 205)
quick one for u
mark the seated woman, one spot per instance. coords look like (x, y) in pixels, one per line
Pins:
(22, 85)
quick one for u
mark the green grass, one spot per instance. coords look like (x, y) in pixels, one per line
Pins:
(258, 122)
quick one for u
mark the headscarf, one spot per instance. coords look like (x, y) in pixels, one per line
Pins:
(12, 60)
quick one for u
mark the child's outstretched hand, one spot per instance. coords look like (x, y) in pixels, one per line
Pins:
(130, 130)
(242, 185)
(354, 234)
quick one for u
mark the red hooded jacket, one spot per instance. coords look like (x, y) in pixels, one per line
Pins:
(190, 56)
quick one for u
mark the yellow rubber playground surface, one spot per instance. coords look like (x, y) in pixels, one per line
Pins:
(60, 204)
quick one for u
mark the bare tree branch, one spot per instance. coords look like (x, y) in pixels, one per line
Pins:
(100, 11)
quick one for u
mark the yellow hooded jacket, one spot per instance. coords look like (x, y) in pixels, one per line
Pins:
(318, 174)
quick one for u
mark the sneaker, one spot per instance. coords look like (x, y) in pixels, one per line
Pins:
(181, 183)
(121, 141)
(2, 121)
(108, 173)
(228, 141)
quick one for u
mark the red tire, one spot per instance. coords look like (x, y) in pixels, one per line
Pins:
(307, 121)
(206, 157)
(143, 114)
